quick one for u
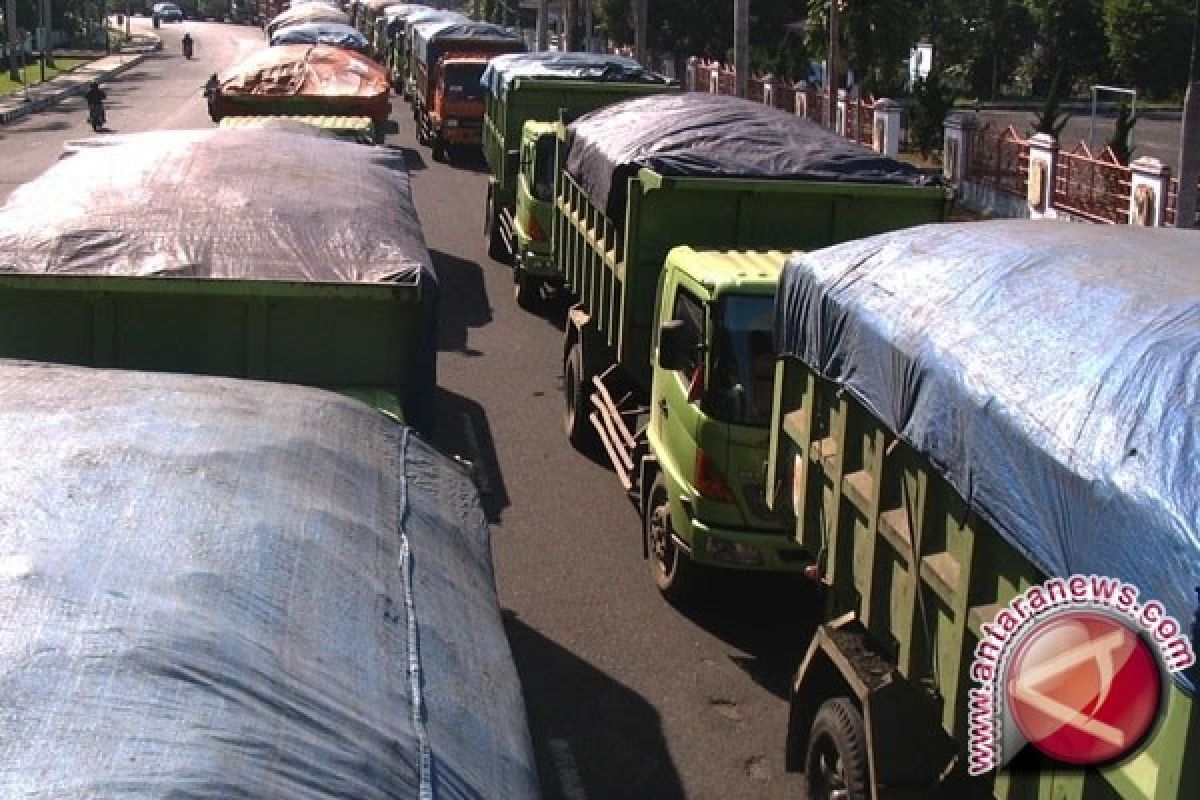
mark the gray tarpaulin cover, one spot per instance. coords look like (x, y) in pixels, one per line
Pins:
(1050, 372)
(245, 204)
(707, 135)
(332, 33)
(429, 34)
(213, 588)
(503, 70)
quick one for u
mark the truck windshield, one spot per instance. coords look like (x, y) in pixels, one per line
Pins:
(462, 82)
(543, 169)
(743, 365)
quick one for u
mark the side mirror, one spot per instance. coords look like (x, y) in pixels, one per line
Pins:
(675, 345)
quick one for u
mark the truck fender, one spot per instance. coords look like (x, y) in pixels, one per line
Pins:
(908, 750)
(578, 325)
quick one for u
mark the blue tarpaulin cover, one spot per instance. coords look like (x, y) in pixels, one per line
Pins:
(714, 136)
(503, 70)
(1051, 372)
(213, 588)
(331, 33)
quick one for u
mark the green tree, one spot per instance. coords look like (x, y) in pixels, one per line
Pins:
(983, 42)
(1069, 43)
(1149, 42)
(1052, 119)
(934, 101)
(1122, 132)
(876, 38)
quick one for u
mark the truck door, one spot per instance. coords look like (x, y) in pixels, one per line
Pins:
(676, 394)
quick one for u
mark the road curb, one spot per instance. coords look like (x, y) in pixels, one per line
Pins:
(55, 95)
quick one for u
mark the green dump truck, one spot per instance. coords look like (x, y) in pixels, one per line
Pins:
(951, 441)
(233, 271)
(638, 178)
(527, 88)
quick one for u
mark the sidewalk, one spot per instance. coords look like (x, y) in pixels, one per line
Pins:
(43, 95)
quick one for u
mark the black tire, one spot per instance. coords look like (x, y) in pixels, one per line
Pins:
(675, 574)
(836, 761)
(438, 146)
(578, 427)
(526, 289)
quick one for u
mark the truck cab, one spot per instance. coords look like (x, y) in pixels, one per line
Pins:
(455, 115)
(709, 415)
(533, 259)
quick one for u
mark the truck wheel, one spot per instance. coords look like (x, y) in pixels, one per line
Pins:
(674, 573)
(439, 148)
(579, 429)
(525, 289)
(836, 763)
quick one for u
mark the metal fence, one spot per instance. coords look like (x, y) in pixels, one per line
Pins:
(999, 159)
(1095, 187)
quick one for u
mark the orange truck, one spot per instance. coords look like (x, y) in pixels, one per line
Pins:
(448, 60)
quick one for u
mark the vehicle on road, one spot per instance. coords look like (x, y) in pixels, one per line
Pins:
(531, 87)
(231, 273)
(330, 33)
(402, 43)
(948, 437)
(304, 14)
(167, 12)
(305, 80)
(449, 58)
(634, 180)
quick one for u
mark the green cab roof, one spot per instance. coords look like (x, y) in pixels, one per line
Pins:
(731, 269)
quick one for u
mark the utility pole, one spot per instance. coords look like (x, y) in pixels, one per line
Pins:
(831, 70)
(639, 30)
(1189, 140)
(10, 16)
(45, 9)
(741, 46)
(543, 38)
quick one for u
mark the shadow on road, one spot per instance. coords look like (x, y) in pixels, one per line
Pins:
(770, 618)
(583, 719)
(464, 301)
(469, 159)
(461, 428)
(412, 158)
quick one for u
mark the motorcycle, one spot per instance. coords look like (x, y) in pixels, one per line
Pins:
(96, 116)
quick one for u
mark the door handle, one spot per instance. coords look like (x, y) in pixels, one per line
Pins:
(662, 407)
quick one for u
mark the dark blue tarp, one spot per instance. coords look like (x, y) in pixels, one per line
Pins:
(215, 588)
(714, 136)
(428, 35)
(1050, 371)
(331, 33)
(229, 204)
(503, 70)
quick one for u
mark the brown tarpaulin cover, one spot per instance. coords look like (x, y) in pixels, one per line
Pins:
(300, 69)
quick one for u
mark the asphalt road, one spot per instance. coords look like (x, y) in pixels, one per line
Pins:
(627, 696)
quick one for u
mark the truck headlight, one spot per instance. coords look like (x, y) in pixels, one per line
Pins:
(743, 555)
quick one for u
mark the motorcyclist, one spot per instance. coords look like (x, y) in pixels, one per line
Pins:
(187, 45)
(94, 96)
(95, 101)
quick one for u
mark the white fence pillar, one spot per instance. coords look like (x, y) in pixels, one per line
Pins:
(1148, 183)
(843, 99)
(770, 87)
(958, 132)
(801, 90)
(1043, 153)
(886, 128)
(714, 80)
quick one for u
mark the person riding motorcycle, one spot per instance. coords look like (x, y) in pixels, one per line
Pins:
(95, 101)
(187, 45)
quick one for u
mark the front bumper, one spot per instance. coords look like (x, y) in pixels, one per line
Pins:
(767, 551)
